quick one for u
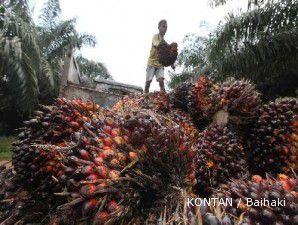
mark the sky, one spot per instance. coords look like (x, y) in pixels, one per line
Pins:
(124, 29)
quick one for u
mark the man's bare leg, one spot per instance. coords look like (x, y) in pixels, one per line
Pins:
(162, 85)
(147, 86)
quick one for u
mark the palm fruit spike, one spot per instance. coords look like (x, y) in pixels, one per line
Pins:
(200, 102)
(36, 165)
(179, 96)
(263, 192)
(157, 101)
(36, 156)
(273, 140)
(219, 157)
(239, 98)
(155, 156)
(185, 121)
(18, 205)
(201, 94)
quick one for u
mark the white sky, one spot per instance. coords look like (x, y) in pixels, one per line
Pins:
(124, 28)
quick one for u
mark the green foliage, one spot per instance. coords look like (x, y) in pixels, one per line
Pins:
(5, 147)
(261, 44)
(31, 57)
(93, 69)
(194, 53)
(19, 57)
(193, 59)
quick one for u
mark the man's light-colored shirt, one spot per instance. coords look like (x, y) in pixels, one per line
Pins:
(153, 58)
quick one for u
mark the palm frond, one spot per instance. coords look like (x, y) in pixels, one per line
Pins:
(255, 24)
(50, 13)
(80, 40)
(272, 53)
(93, 69)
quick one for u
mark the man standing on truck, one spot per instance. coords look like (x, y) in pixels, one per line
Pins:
(154, 68)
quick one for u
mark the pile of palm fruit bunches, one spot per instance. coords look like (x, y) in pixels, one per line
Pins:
(207, 153)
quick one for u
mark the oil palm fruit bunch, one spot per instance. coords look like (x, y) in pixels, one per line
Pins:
(126, 177)
(167, 53)
(220, 157)
(37, 155)
(201, 97)
(51, 124)
(179, 96)
(262, 201)
(128, 104)
(156, 101)
(18, 205)
(239, 99)
(38, 167)
(201, 103)
(274, 138)
(184, 120)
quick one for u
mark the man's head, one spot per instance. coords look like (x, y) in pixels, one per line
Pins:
(162, 27)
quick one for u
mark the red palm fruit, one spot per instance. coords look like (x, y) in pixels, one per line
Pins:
(102, 186)
(87, 170)
(49, 168)
(108, 141)
(133, 156)
(107, 154)
(60, 101)
(183, 148)
(144, 148)
(99, 160)
(192, 154)
(287, 183)
(257, 178)
(102, 171)
(86, 119)
(60, 173)
(75, 124)
(119, 140)
(89, 207)
(92, 176)
(109, 121)
(86, 141)
(101, 218)
(112, 206)
(114, 174)
(107, 129)
(107, 148)
(84, 154)
(115, 162)
(192, 175)
(115, 132)
(88, 191)
(126, 138)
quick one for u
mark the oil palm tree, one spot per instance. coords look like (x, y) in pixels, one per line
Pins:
(260, 44)
(31, 56)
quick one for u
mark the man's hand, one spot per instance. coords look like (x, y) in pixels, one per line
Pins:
(173, 67)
